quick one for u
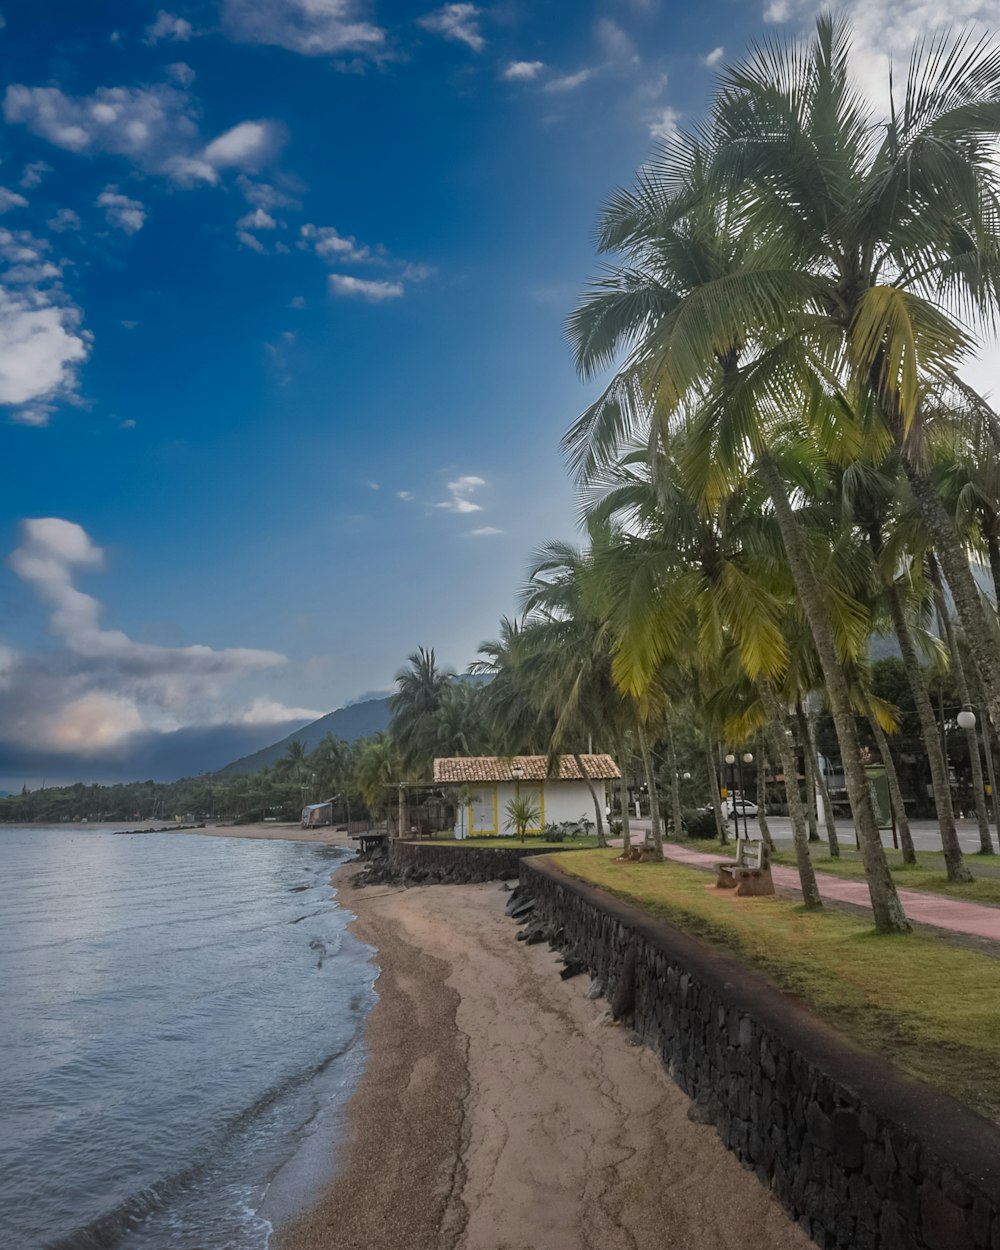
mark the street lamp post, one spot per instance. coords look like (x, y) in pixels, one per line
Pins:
(747, 759)
(967, 720)
(731, 761)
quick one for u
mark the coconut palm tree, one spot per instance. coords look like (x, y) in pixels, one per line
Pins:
(416, 706)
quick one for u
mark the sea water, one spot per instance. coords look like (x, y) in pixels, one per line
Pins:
(180, 1020)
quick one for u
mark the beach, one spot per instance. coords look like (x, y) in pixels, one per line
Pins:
(500, 1109)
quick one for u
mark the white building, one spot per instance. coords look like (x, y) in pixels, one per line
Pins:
(489, 782)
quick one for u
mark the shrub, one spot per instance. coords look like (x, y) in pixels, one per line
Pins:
(699, 824)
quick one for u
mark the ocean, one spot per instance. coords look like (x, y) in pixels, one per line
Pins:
(181, 1023)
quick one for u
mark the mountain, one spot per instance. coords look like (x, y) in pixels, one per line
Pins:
(359, 720)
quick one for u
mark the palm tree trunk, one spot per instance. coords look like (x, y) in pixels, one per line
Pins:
(675, 786)
(713, 783)
(886, 908)
(954, 863)
(895, 791)
(808, 768)
(598, 805)
(654, 802)
(623, 796)
(993, 547)
(765, 831)
(803, 860)
(947, 631)
(964, 591)
(829, 819)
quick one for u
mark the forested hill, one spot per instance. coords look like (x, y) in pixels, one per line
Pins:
(359, 720)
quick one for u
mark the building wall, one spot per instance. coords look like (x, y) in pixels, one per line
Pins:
(556, 800)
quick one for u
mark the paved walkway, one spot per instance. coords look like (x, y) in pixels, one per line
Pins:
(934, 909)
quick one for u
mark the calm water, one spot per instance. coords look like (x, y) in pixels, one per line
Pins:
(180, 1024)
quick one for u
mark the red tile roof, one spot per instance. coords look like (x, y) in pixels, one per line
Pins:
(479, 768)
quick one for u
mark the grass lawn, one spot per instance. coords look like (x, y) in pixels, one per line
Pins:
(926, 874)
(929, 1007)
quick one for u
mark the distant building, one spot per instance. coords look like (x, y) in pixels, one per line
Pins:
(315, 815)
(490, 782)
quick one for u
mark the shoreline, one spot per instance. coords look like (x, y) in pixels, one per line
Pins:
(500, 1110)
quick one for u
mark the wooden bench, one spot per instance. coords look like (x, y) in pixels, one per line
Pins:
(749, 873)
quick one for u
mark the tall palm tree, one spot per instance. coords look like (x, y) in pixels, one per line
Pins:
(879, 219)
(415, 706)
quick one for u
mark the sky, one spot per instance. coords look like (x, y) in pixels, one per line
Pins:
(282, 369)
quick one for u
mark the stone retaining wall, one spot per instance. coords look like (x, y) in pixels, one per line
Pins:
(428, 863)
(861, 1156)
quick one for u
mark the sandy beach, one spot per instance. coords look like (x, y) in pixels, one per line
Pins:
(500, 1110)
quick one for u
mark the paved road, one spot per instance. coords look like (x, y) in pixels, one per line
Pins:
(926, 833)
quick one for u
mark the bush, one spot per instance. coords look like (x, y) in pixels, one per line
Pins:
(699, 824)
(555, 833)
(615, 828)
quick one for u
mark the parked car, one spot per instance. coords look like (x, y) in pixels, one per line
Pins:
(742, 807)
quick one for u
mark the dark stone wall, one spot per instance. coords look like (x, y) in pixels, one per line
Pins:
(427, 864)
(861, 1156)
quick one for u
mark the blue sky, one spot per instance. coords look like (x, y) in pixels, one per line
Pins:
(281, 360)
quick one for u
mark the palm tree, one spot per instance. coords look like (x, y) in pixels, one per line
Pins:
(416, 706)
(877, 220)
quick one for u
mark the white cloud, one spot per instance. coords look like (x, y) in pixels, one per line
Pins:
(103, 692)
(375, 292)
(333, 246)
(51, 553)
(297, 301)
(269, 712)
(38, 416)
(778, 11)
(458, 22)
(262, 195)
(245, 146)
(124, 213)
(251, 241)
(460, 490)
(11, 199)
(405, 495)
(665, 124)
(128, 424)
(257, 220)
(142, 123)
(65, 219)
(617, 46)
(569, 82)
(181, 73)
(168, 27)
(522, 71)
(155, 127)
(309, 27)
(41, 346)
(34, 173)
(373, 486)
(92, 723)
(884, 31)
(713, 58)
(484, 531)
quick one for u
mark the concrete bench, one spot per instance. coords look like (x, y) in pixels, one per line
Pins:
(749, 873)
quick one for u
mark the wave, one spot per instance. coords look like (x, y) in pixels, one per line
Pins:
(109, 1229)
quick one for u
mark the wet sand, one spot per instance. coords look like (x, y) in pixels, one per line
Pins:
(500, 1110)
